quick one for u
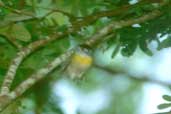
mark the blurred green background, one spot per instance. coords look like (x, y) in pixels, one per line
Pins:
(130, 71)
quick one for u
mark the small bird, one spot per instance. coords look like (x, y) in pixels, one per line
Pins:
(79, 63)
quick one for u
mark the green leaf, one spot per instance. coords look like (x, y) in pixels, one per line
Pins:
(167, 97)
(62, 28)
(116, 50)
(144, 47)
(18, 31)
(57, 19)
(12, 17)
(164, 105)
(128, 48)
(164, 44)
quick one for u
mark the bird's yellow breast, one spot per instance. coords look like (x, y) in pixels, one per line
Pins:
(82, 59)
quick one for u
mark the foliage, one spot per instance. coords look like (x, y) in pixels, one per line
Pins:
(26, 21)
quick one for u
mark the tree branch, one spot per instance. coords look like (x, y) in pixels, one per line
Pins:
(120, 24)
(20, 56)
(93, 40)
(97, 37)
(41, 73)
(84, 20)
(90, 42)
(13, 42)
(24, 52)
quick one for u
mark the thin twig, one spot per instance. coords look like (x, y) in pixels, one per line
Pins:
(90, 42)
(97, 37)
(45, 70)
(120, 24)
(18, 11)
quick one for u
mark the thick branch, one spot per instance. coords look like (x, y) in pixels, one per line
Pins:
(97, 36)
(24, 52)
(117, 25)
(84, 20)
(114, 12)
(6, 99)
(44, 71)
(12, 70)
(93, 40)
(40, 74)
(35, 45)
